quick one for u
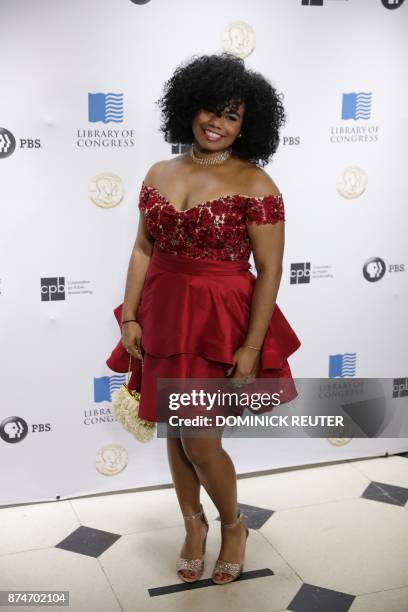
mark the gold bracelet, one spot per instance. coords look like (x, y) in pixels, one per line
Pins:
(252, 347)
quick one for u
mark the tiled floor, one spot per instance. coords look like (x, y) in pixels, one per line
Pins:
(322, 539)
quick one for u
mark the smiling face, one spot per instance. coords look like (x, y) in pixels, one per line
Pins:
(214, 132)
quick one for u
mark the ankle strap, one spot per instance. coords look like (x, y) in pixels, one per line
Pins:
(237, 520)
(196, 515)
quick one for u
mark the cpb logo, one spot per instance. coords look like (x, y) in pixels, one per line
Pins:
(52, 288)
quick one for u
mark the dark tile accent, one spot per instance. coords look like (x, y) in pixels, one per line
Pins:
(205, 582)
(311, 598)
(390, 494)
(255, 516)
(88, 541)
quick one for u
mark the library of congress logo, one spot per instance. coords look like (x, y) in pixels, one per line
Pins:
(106, 108)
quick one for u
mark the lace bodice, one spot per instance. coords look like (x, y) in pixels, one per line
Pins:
(215, 229)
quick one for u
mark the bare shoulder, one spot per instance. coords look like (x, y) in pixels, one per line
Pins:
(155, 171)
(161, 170)
(259, 183)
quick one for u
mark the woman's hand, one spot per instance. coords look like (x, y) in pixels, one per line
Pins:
(246, 363)
(131, 338)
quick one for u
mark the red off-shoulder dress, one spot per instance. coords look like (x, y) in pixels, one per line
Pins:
(195, 301)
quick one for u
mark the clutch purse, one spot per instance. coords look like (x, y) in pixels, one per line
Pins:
(125, 407)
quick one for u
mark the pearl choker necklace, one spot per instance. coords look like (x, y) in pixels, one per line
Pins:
(209, 159)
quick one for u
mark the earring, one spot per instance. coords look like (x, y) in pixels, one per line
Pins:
(239, 135)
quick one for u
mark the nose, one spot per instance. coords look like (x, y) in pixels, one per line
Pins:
(215, 120)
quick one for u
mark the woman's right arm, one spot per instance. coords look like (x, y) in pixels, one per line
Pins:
(138, 264)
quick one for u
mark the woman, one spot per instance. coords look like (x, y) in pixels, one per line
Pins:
(192, 308)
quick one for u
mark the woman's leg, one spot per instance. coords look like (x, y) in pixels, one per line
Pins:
(185, 479)
(216, 472)
(187, 486)
(195, 460)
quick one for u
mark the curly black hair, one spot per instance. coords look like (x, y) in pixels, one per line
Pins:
(212, 82)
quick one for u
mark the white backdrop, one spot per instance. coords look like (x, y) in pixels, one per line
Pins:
(66, 235)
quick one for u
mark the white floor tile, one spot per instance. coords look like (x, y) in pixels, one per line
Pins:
(395, 600)
(56, 569)
(391, 470)
(354, 546)
(302, 487)
(33, 526)
(135, 512)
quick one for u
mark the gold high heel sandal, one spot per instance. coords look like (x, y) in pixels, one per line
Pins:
(194, 565)
(225, 567)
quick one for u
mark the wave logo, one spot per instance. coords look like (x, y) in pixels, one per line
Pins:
(356, 106)
(105, 108)
(342, 365)
(106, 385)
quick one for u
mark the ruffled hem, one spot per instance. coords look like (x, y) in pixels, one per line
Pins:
(280, 342)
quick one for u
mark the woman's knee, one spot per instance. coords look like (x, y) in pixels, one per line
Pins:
(201, 451)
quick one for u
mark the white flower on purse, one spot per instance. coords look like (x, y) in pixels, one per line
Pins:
(125, 407)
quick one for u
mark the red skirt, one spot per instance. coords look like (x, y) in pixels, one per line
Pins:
(194, 315)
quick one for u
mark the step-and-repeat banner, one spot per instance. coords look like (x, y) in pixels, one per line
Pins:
(78, 132)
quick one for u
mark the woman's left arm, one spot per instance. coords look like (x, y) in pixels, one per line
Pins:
(268, 243)
(267, 235)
